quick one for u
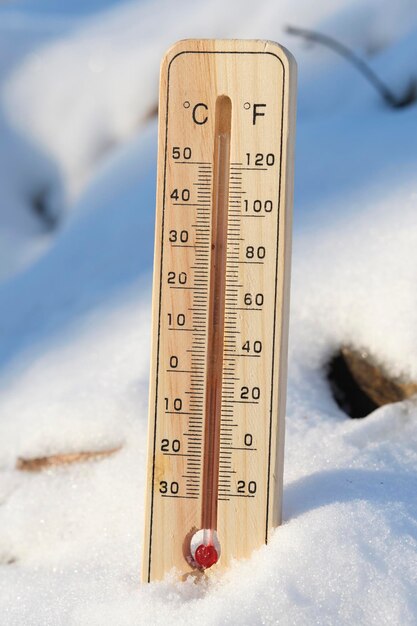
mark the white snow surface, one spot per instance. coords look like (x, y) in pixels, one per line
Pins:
(78, 86)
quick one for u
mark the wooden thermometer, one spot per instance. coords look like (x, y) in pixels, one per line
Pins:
(220, 303)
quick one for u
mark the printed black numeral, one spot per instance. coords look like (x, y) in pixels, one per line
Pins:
(255, 346)
(171, 488)
(174, 278)
(250, 299)
(259, 159)
(178, 235)
(180, 194)
(250, 488)
(184, 153)
(258, 206)
(167, 445)
(255, 253)
(247, 393)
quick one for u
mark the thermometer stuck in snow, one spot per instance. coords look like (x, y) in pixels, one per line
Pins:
(220, 303)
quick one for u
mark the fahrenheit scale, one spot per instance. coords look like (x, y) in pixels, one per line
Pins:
(220, 303)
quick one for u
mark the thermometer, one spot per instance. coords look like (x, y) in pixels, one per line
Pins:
(220, 303)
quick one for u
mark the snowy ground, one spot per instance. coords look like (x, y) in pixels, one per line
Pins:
(78, 86)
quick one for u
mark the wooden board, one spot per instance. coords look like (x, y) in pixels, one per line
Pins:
(257, 80)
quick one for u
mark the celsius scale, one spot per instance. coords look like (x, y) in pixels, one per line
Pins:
(220, 303)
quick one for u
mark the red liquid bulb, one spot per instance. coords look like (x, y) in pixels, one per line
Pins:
(206, 556)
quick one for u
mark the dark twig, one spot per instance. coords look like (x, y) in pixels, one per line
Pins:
(389, 97)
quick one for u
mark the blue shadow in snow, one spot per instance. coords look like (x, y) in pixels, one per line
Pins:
(395, 491)
(105, 247)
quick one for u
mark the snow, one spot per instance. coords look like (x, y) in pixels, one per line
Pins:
(78, 88)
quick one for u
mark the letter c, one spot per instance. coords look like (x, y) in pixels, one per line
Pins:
(205, 118)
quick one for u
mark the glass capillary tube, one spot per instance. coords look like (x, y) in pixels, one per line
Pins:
(216, 318)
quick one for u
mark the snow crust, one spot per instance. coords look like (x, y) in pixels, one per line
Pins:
(77, 93)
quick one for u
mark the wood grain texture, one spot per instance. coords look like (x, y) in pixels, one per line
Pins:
(259, 77)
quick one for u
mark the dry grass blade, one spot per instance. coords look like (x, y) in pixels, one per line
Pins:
(41, 463)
